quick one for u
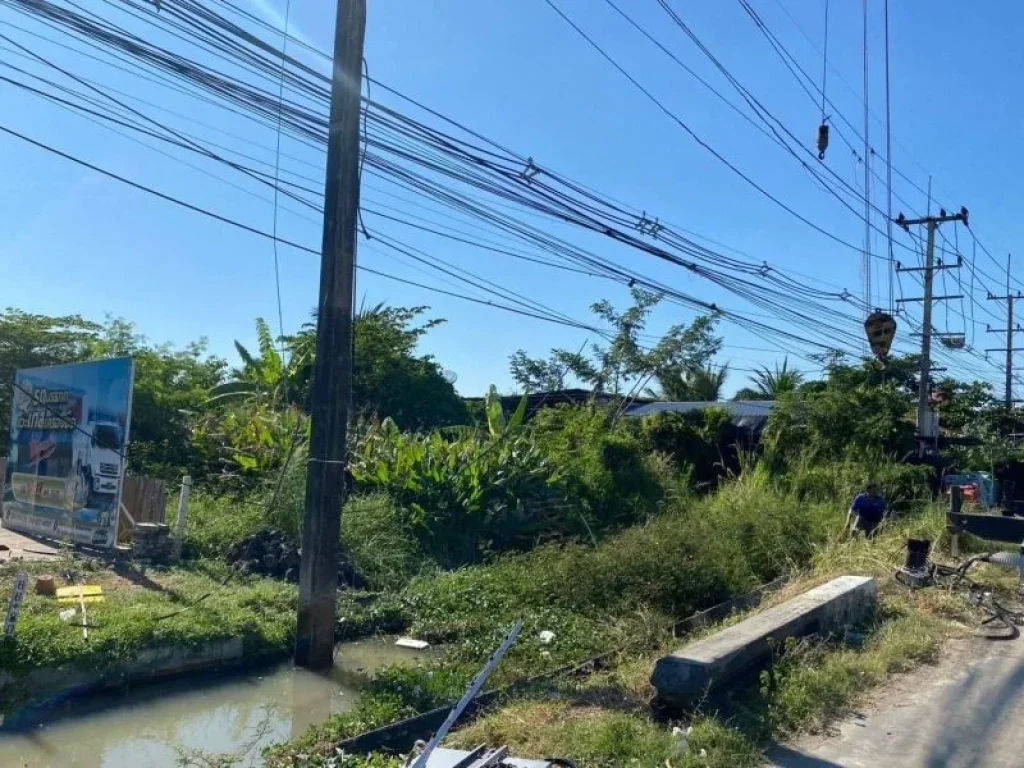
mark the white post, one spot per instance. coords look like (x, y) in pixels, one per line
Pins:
(179, 535)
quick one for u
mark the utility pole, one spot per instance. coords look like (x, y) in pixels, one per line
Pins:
(1009, 349)
(927, 429)
(332, 373)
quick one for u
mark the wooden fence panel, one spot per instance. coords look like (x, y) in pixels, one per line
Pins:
(145, 498)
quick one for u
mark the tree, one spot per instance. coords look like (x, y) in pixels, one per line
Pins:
(703, 383)
(899, 371)
(623, 363)
(171, 386)
(536, 374)
(837, 423)
(770, 384)
(30, 341)
(389, 380)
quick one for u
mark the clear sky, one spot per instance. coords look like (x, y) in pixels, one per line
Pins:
(75, 242)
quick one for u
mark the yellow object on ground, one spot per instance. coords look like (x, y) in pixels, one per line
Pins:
(85, 593)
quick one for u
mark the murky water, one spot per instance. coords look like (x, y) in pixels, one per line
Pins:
(169, 724)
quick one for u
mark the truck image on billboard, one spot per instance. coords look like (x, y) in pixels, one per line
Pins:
(69, 435)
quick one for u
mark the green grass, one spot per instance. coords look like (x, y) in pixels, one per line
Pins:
(623, 593)
(809, 686)
(132, 617)
(604, 720)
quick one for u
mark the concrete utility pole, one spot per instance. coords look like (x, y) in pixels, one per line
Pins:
(927, 431)
(1009, 349)
(332, 373)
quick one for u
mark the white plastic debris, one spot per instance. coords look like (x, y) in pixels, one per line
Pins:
(412, 643)
(546, 636)
(68, 614)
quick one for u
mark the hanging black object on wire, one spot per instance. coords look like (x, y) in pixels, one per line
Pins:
(823, 128)
(822, 139)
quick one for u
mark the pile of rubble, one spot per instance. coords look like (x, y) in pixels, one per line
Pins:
(271, 553)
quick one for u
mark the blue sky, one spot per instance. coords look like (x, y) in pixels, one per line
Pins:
(74, 241)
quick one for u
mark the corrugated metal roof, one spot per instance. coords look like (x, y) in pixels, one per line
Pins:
(749, 414)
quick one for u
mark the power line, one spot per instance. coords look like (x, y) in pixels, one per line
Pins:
(542, 198)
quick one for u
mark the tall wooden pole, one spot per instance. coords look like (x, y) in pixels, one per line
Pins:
(332, 374)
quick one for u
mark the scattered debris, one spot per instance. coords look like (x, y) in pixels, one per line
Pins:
(41, 552)
(422, 760)
(85, 619)
(409, 642)
(67, 614)
(546, 637)
(920, 573)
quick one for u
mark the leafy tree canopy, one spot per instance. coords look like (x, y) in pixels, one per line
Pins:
(169, 383)
(623, 361)
(389, 378)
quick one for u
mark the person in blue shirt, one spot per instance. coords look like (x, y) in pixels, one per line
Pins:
(867, 511)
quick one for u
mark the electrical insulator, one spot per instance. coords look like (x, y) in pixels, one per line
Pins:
(822, 140)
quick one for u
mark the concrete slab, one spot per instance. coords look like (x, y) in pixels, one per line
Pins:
(23, 547)
(686, 676)
(964, 712)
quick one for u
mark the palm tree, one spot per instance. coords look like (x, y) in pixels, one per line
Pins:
(695, 383)
(770, 384)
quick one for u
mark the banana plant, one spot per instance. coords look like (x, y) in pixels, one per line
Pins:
(496, 422)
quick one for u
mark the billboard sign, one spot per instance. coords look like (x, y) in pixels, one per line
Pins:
(69, 435)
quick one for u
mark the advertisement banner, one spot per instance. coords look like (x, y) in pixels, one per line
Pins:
(69, 434)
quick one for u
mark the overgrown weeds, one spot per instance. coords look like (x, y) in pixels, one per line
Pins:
(624, 593)
(811, 684)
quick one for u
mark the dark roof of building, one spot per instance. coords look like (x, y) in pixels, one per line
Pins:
(746, 414)
(537, 400)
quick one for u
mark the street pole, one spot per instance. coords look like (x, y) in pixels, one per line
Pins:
(926, 428)
(1009, 349)
(923, 411)
(1009, 352)
(332, 372)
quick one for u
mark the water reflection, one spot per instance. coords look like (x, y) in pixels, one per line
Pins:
(158, 724)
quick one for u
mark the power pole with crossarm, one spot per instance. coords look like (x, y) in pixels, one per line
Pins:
(1009, 349)
(927, 429)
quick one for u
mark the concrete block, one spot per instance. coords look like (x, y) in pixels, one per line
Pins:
(687, 675)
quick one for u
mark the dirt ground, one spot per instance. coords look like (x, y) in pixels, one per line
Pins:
(967, 711)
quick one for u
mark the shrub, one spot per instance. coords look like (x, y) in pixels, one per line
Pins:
(702, 439)
(380, 541)
(695, 555)
(605, 463)
(832, 423)
(468, 496)
(218, 521)
(813, 480)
